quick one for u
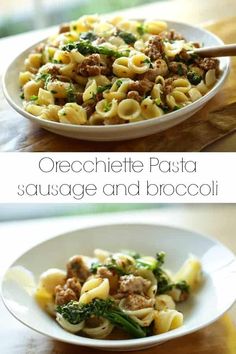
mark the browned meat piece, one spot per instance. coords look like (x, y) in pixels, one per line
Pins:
(79, 98)
(99, 96)
(74, 284)
(171, 35)
(65, 27)
(196, 45)
(104, 272)
(161, 67)
(106, 70)
(168, 85)
(113, 278)
(167, 89)
(133, 284)
(178, 68)
(54, 70)
(64, 296)
(134, 95)
(70, 291)
(89, 107)
(155, 48)
(209, 63)
(63, 78)
(90, 66)
(60, 101)
(142, 86)
(137, 302)
(183, 55)
(77, 268)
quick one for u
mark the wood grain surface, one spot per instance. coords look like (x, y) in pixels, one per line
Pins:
(215, 121)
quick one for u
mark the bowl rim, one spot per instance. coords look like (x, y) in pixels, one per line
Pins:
(123, 343)
(100, 129)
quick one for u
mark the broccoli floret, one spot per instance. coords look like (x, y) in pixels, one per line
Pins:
(70, 93)
(127, 37)
(141, 29)
(194, 78)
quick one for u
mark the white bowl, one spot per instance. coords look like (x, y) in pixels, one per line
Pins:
(123, 131)
(215, 296)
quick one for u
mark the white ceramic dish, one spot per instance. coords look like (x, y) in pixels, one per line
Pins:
(215, 296)
(123, 131)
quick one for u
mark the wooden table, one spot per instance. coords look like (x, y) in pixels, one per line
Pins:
(217, 220)
(18, 134)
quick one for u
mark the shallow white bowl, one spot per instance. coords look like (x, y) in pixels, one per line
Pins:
(123, 131)
(214, 297)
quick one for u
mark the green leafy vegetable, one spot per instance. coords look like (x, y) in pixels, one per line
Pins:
(55, 61)
(130, 253)
(88, 36)
(70, 93)
(194, 78)
(119, 82)
(33, 98)
(141, 29)
(176, 108)
(146, 263)
(43, 77)
(183, 286)
(180, 70)
(75, 313)
(158, 101)
(101, 89)
(86, 48)
(107, 106)
(127, 37)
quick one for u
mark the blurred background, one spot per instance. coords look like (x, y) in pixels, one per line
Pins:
(17, 16)
(13, 212)
(35, 14)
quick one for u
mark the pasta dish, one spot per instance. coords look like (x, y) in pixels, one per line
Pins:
(97, 72)
(125, 292)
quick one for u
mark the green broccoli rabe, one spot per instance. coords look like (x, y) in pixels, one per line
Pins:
(101, 89)
(127, 37)
(88, 36)
(75, 313)
(86, 48)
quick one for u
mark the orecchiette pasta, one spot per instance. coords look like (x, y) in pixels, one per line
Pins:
(72, 113)
(107, 109)
(167, 320)
(95, 288)
(106, 65)
(129, 109)
(150, 109)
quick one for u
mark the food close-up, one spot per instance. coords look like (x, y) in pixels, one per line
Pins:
(98, 72)
(96, 295)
